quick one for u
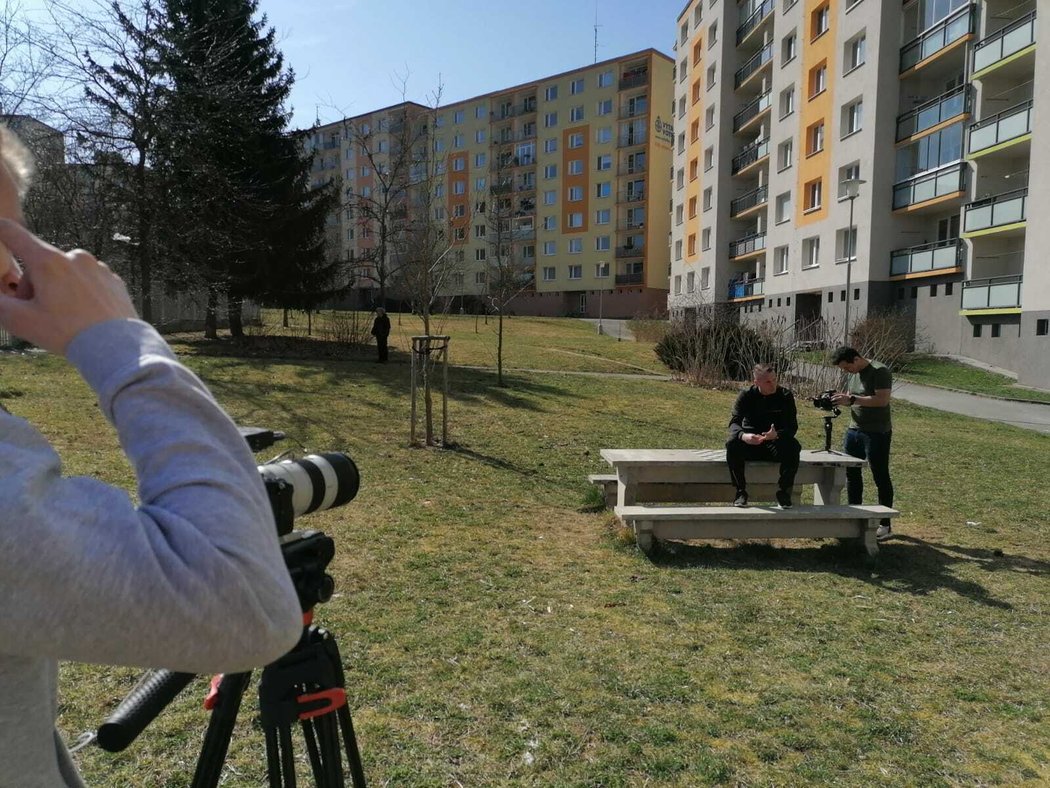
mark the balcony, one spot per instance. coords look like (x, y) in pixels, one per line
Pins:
(927, 258)
(630, 196)
(993, 50)
(628, 112)
(957, 26)
(634, 79)
(753, 66)
(630, 140)
(749, 244)
(999, 292)
(927, 186)
(999, 214)
(751, 288)
(638, 168)
(761, 14)
(926, 116)
(523, 233)
(630, 279)
(751, 111)
(752, 199)
(630, 251)
(998, 131)
(749, 155)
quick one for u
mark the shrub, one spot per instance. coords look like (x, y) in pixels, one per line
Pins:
(718, 350)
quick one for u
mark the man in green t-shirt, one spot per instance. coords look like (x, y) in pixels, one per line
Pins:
(868, 437)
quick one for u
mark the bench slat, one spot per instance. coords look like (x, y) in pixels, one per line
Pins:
(753, 512)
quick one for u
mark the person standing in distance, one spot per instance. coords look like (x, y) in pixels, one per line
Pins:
(381, 330)
(763, 427)
(868, 391)
(190, 578)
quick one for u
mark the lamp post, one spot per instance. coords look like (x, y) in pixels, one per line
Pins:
(852, 191)
(601, 265)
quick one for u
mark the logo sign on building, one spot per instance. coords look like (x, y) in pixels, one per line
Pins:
(664, 130)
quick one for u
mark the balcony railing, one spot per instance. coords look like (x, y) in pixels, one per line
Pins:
(638, 168)
(748, 201)
(628, 140)
(1003, 43)
(630, 279)
(998, 211)
(1007, 125)
(750, 154)
(753, 21)
(630, 196)
(751, 111)
(755, 242)
(633, 112)
(926, 116)
(963, 22)
(999, 292)
(930, 185)
(630, 251)
(747, 289)
(763, 56)
(927, 257)
(634, 80)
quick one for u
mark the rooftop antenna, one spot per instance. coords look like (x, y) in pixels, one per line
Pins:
(596, 26)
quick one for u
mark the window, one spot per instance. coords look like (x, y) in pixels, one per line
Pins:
(548, 249)
(818, 79)
(856, 53)
(460, 233)
(603, 189)
(480, 230)
(605, 79)
(712, 73)
(576, 167)
(550, 120)
(705, 278)
(690, 282)
(685, 31)
(550, 222)
(605, 107)
(479, 184)
(603, 134)
(457, 116)
(811, 252)
(851, 172)
(814, 194)
(780, 260)
(601, 270)
(846, 244)
(783, 208)
(479, 276)
(996, 328)
(458, 164)
(550, 93)
(709, 159)
(948, 288)
(1042, 327)
(785, 155)
(604, 162)
(576, 220)
(575, 246)
(815, 138)
(787, 101)
(705, 239)
(439, 190)
(694, 170)
(480, 159)
(852, 117)
(479, 254)
(576, 114)
(694, 129)
(576, 86)
(457, 141)
(550, 171)
(680, 178)
(681, 107)
(820, 21)
(678, 250)
(789, 48)
(976, 329)
(602, 216)
(550, 197)
(602, 243)
(459, 211)
(576, 140)
(681, 142)
(941, 147)
(678, 284)
(548, 272)
(479, 112)
(576, 271)
(712, 35)
(459, 187)
(690, 245)
(575, 193)
(439, 146)
(550, 145)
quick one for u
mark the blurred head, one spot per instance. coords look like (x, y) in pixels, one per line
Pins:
(380, 311)
(848, 360)
(765, 378)
(16, 167)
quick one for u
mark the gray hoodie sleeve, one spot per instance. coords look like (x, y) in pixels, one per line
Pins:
(192, 579)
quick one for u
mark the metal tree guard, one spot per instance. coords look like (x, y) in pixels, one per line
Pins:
(426, 352)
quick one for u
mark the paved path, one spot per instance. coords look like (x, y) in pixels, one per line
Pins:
(1030, 416)
(612, 328)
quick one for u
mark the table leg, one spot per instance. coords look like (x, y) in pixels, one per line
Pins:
(643, 535)
(828, 491)
(871, 544)
(626, 488)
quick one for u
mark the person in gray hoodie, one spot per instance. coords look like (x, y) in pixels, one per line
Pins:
(190, 579)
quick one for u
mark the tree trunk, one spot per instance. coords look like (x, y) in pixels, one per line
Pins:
(499, 351)
(285, 320)
(234, 305)
(309, 323)
(145, 233)
(210, 316)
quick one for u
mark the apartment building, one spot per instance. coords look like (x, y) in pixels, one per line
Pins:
(577, 162)
(835, 156)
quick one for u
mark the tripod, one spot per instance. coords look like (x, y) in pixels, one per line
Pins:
(827, 434)
(306, 685)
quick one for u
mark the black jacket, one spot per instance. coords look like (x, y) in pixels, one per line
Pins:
(381, 326)
(755, 412)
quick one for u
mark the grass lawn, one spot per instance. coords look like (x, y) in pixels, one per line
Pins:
(937, 371)
(495, 631)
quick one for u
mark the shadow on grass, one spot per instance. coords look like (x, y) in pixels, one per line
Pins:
(905, 565)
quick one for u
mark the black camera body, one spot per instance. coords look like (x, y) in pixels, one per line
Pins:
(823, 401)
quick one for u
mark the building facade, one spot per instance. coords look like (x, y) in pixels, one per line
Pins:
(838, 156)
(577, 163)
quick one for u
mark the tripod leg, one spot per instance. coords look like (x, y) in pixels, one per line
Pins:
(357, 771)
(220, 728)
(284, 734)
(310, 734)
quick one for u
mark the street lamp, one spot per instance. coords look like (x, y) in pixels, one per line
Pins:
(852, 191)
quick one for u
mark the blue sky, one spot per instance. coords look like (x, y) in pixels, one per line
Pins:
(347, 54)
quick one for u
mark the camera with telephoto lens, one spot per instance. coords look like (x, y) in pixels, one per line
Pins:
(823, 401)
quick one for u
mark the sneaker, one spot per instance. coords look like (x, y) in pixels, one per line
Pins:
(884, 532)
(741, 499)
(784, 499)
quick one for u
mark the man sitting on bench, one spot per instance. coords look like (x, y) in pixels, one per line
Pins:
(762, 428)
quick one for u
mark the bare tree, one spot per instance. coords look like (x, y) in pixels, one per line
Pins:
(25, 62)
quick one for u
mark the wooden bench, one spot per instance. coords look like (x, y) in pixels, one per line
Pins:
(754, 522)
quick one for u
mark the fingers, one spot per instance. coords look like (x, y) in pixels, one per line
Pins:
(24, 245)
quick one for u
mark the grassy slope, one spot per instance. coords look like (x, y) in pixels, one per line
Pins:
(955, 375)
(494, 633)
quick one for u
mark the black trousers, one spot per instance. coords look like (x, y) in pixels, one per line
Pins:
(875, 448)
(381, 347)
(786, 451)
